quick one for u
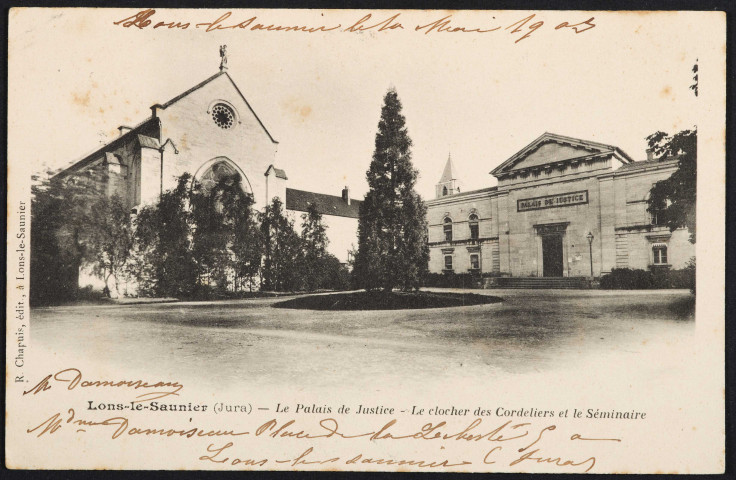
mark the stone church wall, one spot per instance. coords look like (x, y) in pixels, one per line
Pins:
(189, 124)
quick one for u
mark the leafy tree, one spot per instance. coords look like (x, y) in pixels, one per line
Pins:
(211, 230)
(314, 232)
(673, 200)
(283, 253)
(110, 240)
(61, 228)
(319, 268)
(226, 240)
(246, 242)
(314, 241)
(164, 263)
(392, 219)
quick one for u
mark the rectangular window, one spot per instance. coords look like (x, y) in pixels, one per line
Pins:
(448, 232)
(474, 262)
(448, 262)
(474, 231)
(660, 255)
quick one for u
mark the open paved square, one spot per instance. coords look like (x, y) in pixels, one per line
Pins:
(227, 342)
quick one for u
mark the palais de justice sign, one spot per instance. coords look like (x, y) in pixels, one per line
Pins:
(552, 201)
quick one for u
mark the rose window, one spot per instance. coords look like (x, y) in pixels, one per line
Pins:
(223, 116)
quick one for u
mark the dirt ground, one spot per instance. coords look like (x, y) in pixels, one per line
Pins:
(227, 341)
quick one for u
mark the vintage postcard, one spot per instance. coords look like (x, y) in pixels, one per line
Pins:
(355, 240)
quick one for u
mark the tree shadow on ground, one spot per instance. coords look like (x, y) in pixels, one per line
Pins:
(376, 300)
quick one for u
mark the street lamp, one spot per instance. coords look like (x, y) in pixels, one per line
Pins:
(589, 236)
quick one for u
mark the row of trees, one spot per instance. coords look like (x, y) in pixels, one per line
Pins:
(195, 242)
(199, 240)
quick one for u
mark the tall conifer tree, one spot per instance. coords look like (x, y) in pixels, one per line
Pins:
(392, 250)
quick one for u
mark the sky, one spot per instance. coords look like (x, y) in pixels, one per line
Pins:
(74, 77)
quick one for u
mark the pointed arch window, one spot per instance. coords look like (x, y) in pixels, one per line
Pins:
(221, 169)
(218, 172)
(447, 227)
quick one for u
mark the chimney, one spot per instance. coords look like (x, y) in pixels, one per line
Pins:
(155, 109)
(346, 195)
(650, 154)
(124, 129)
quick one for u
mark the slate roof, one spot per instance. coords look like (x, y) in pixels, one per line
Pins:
(89, 158)
(278, 172)
(643, 164)
(449, 173)
(299, 200)
(149, 142)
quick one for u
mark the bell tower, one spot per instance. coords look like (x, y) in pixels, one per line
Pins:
(448, 184)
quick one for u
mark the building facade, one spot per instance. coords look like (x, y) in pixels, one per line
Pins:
(563, 207)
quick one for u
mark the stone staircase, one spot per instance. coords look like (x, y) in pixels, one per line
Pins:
(541, 282)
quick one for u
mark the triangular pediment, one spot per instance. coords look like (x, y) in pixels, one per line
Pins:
(553, 149)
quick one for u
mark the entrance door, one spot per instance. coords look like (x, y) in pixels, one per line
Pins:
(552, 255)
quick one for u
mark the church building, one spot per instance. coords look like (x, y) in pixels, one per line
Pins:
(210, 131)
(563, 207)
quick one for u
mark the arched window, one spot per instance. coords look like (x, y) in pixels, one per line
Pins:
(473, 222)
(217, 172)
(218, 169)
(444, 191)
(448, 229)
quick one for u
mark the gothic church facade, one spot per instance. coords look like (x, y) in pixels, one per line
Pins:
(208, 131)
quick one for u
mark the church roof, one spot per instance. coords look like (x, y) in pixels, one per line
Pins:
(299, 200)
(112, 159)
(149, 125)
(148, 142)
(576, 149)
(449, 172)
(278, 172)
(144, 130)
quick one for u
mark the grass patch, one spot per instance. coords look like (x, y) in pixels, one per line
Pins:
(386, 301)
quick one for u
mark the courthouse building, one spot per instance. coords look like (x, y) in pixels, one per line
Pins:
(209, 131)
(562, 206)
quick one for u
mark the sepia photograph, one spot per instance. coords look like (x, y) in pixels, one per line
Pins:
(366, 240)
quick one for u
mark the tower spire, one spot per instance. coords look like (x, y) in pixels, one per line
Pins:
(448, 182)
(449, 173)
